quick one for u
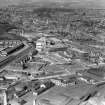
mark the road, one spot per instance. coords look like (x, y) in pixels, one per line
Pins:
(52, 75)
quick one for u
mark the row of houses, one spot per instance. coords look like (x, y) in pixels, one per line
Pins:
(9, 43)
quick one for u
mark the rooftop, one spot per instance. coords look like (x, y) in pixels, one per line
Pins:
(66, 94)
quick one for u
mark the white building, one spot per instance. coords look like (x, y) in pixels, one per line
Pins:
(41, 44)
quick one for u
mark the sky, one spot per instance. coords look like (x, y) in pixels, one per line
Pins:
(89, 3)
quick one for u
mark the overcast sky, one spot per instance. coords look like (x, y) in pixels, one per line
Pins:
(96, 3)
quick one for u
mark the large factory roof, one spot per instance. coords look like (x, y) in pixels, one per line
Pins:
(63, 95)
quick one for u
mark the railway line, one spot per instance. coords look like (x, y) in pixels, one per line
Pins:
(14, 56)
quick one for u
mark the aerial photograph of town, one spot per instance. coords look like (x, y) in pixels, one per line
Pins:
(52, 52)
